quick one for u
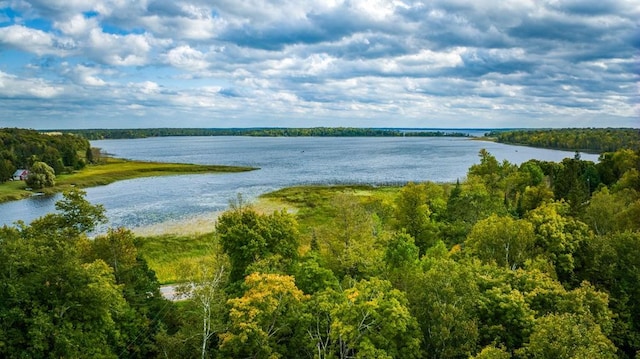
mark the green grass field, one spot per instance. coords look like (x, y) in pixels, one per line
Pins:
(113, 169)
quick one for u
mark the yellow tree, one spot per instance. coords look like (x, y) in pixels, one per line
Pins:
(265, 321)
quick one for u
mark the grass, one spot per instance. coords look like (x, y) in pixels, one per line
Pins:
(314, 205)
(171, 256)
(113, 169)
(13, 190)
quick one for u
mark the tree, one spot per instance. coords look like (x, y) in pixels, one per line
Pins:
(247, 236)
(374, 322)
(567, 336)
(149, 311)
(77, 213)
(348, 244)
(402, 260)
(412, 215)
(53, 304)
(558, 237)
(611, 263)
(612, 212)
(491, 352)
(443, 300)
(265, 321)
(206, 294)
(533, 197)
(503, 240)
(40, 176)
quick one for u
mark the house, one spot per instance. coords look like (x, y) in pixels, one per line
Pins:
(20, 175)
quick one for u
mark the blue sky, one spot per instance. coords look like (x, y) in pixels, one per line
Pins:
(296, 63)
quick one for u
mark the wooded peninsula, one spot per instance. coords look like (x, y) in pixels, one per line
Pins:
(537, 260)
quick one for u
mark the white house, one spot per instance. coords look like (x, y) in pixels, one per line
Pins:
(20, 175)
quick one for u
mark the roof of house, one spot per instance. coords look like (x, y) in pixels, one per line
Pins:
(19, 172)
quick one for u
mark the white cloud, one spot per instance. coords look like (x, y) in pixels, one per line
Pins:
(13, 86)
(119, 50)
(186, 58)
(77, 25)
(86, 76)
(34, 41)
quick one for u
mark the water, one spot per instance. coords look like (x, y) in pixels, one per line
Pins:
(282, 161)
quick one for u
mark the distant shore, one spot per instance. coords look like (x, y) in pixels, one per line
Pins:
(109, 171)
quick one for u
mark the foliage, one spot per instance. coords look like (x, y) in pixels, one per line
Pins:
(502, 240)
(264, 322)
(373, 321)
(575, 139)
(247, 236)
(61, 297)
(567, 336)
(41, 176)
(22, 148)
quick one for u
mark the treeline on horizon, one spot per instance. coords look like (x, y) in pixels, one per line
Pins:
(103, 134)
(596, 140)
(21, 148)
(538, 260)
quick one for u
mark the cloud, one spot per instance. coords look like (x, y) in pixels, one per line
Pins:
(273, 62)
(185, 57)
(35, 41)
(15, 87)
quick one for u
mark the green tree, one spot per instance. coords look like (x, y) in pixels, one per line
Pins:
(78, 214)
(40, 176)
(611, 263)
(348, 244)
(567, 336)
(374, 322)
(558, 237)
(443, 299)
(149, 311)
(503, 240)
(247, 236)
(412, 215)
(491, 352)
(54, 305)
(402, 260)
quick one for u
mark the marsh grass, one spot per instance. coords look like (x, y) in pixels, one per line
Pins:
(173, 256)
(314, 205)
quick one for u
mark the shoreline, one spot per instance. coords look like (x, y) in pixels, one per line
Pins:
(110, 171)
(205, 223)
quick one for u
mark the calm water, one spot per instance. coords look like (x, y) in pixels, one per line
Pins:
(282, 161)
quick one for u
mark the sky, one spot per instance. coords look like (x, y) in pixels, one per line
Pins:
(307, 63)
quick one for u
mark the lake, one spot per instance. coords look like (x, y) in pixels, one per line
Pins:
(283, 161)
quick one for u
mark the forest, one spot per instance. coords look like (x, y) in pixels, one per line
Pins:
(21, 148)
(595, 140)
(537, 260)
(102, 134)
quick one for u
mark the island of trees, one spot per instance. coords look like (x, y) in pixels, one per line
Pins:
(538, 260)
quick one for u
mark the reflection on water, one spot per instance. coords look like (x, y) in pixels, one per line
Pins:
(283, 162)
